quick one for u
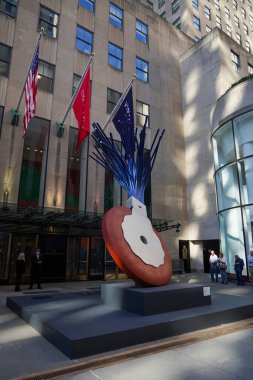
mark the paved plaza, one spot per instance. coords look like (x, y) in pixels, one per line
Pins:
(224, 351)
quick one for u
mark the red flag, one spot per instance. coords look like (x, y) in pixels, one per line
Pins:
(31, 90)
(81, 108)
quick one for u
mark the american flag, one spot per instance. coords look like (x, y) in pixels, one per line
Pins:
(31, 90)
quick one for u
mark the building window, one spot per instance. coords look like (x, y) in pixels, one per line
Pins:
(116, 16)
(251, 20)
(175, 6)
(149, 4)
(207, 13)
(141, 32)
(142, 69)
(250, 69)
(218, 22)
(235, 60)
(245, 29)
(33, 173)
(208, 29)
(196, 39)
(247, 46)
(177, 23)
(1, 118)
(243, 12)
(163, 15)
(227, 12)
(46, 76)
(88, 4)
(112, 99)
(250, 5)
(161, 3)
(76, 80)
(217, 4)
(229, 31)
(84, 40)
(115, 56)
(5, 59)
(195, 4)
(196, 23)
(9, 7)
(142, 111)
(236, 20)
(238, 38)
(234, 2)
(73, 173)
(49, 21)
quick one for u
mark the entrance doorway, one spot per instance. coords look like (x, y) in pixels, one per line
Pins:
(54, 248)
(26, 244)
(184, 254)
(208, 246)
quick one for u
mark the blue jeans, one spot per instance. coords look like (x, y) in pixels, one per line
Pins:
(239, 276)
(214, 272)
(223, 275)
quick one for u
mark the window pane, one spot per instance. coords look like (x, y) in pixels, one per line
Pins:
(248, 226)
(246, 180)
(116, 16)
(232, 241)
(141, 32)
(46, 76)
(8, 7)
(49, 21)
(88, 4)
(1, 118)
(73, 173)
(223, 145)
(227, 187)
(32, 176)
(84, 40)
(112, 99)
(244, 135)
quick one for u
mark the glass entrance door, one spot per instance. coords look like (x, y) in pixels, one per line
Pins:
(26, 244)
(97, 258)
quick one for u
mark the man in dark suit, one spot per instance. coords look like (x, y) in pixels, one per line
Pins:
(37, 259)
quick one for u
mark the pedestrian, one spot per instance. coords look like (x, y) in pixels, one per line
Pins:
(37, 259)
(239, 264)
(214, 269)
(222, 268)
(20, 270)
(250, 264)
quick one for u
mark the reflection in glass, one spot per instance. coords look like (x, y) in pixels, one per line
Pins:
(244, 135)
(227, 187)
(232, 241)
(73, 173)
(246, 180)
(97, 253)
(223, 146)
(32, 177)
(248, 227)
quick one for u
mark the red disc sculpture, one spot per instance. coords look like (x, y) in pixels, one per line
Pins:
(133, 243)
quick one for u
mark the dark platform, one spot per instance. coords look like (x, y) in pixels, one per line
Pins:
(155, 300)
(80, 324)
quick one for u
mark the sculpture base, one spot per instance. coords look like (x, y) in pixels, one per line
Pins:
(155, 300)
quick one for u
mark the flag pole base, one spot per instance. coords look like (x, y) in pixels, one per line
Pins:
(59, 129)
(15, 117)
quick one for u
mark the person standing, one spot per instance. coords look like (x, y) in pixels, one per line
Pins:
(223, 267)
(37, 259)
(250, 264)
(214, 269)
(239, 264)
(20, 270)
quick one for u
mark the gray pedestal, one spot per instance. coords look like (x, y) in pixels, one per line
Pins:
(155, 300)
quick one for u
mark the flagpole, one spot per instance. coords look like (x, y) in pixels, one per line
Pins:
(39, 37)
(119, 103)
(77, 88)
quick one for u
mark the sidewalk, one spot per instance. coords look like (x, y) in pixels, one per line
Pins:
(24, 351)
